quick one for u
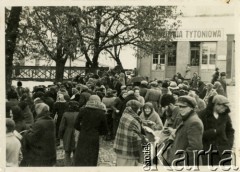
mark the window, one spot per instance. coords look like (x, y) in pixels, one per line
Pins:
(155, 58)
(169, 54)
(195, 53)
(162, 58)
(209, 50)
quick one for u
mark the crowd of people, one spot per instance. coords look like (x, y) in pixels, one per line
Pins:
(73, 115)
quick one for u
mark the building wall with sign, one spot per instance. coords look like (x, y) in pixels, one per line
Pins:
(203, 41)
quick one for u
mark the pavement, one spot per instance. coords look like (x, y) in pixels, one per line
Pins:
(107, 157)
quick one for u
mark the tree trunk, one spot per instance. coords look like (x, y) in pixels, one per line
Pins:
(60, 64)
(10, 42)
(119, 63)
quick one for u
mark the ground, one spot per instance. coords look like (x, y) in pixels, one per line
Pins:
(107, 157)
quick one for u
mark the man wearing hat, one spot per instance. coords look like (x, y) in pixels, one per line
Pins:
(218, 131)
(188, 135)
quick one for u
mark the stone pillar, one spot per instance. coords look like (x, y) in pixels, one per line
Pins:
(183, 56)
(230, 55)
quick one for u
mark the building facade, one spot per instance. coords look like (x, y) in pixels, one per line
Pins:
(203, 41)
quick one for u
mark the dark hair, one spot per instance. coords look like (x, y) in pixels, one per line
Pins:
(167, 99)
(73, 106)
(19, 83)
(12, 95)
(10, 124)
(23, 105)
(17, 113)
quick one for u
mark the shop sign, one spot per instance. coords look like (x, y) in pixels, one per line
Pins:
(198, 35)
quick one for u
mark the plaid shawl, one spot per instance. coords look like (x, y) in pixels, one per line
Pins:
(128, 138)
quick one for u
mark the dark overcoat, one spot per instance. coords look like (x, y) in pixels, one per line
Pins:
(67, 130)
(217, 132)
(188, 138)
(91, 123)
(39, 143)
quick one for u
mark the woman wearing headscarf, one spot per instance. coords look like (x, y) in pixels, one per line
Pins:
(127, 144)
(150, 117)
(91, 122)
(39, 141)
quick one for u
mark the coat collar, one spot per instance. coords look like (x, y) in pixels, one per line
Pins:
(132, 113)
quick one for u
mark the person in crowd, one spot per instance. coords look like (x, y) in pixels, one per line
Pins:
(153, 95)
(150, 117)
(209, 92)
(188, 135)
(20, 124)
(59, 107)
(52, 92)
(49, 101)
(165, 89)
(117, 105)
(143, 88)
(188, 73)
(173, 86)
(215, 76)
(19, 89)
(127, 144)
(201, 105)
(67, 131)
(84, 95)
(159, 84)
(201, 87)
(138, 96)
(122, 78)
(171, 115)
(108, 100)
(175, 78)
(91, 122)
(27, 114)
(28, 99)
(223, 82)
(13, 145)
(219, 89)
(130, 96)
(117, 85)
(218, 131)
(39, 141)
(179, 75)
(194, 81)
(62, 90)
(176, 93)
(12, 101)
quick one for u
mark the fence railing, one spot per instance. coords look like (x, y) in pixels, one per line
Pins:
(47, 73)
